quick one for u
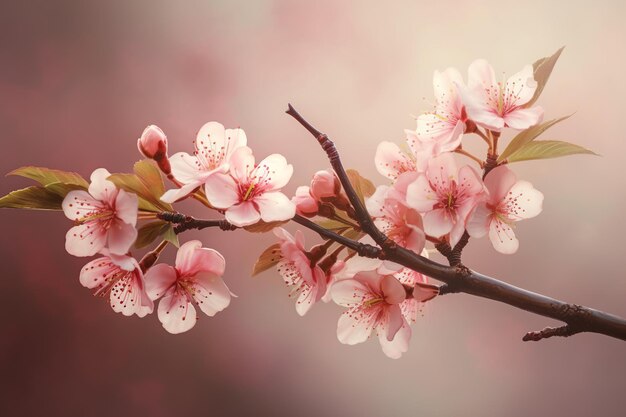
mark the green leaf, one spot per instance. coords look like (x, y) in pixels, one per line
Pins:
(263, 227)
(150, 232)
(45, 176)
(49, 197)
(544, 149)
(333, 225)
(270, 257)
(528, 135)
(542, 69)
(171, 237)
(147, 183)
(363, 187)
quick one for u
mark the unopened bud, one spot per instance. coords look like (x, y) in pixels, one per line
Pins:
(305, 203)
(324, 184)
(153, 145)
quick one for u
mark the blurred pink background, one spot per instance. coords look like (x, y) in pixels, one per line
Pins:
(80, 80)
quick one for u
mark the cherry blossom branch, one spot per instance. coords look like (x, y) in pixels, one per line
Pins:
(185, 223)
(459, 278)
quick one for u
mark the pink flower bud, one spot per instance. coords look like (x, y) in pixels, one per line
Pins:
(324, 184)
(305, 203)
(153, 143)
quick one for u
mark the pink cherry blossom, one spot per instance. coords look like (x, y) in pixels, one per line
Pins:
(306, 204)
(196, 278)
(308, 281)
(252, 192)
(444, 126)
(422, 291)
(400, 223)
(214, 149)
(510, 200)
(324, 184)
(373, 302)
(495, 105)
(153, 143)
(105, 217)
(120, 278)
(445, 196)
(392, 162)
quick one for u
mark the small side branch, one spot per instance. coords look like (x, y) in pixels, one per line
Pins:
(362, 249)
(362, 216)
(563, 331)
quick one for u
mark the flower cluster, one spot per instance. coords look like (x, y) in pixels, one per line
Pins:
(429, 199)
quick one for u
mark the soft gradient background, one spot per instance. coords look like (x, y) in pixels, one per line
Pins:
(80, 80)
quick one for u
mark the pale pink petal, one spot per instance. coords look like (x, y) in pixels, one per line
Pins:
(442, 171)
(374, 204)
(78, 204)
(275, 206)
(176, 313)
(185, 256)
(478, 221)
(274, 171)
(243, 214)
(522, 118)
(159, 279)
(444, 84)
(400, 343)
(242, 164)
(481, 75)
(126, 205)
(128, 295)
(125, 262)
(498, 182)
(85, 239)
(349, 292)
(211, 293)
(478, 109)
(175, 194)
(470, 183)
(523, 201)
(423, 292)
(306, 299)
(502, 237)
(120, 237)
(394, 321)
(97, 272)
(186, 168)
(221, 190)
(444, 133)
(233, 140)
(101, 188)
(355, 328)
(391, 161)
(520, 87)
(201, 260)
(420, 195)
(457, 231)
(392, 289)
(438, 222)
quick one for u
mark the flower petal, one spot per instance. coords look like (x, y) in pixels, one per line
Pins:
(221, 191)
(498, 182)
(176, 313)
(85, 239)
(126, 206)
(523, 201)
(211, 293)
(522, 118)
(391, 161)
(78, 204)
(159, 279)
(275, 206)
(243, 214)
(275, 171)
(120, 237)
(400, 343)
(392, 289)
(175, 194)
(502, 237)
(438, 223)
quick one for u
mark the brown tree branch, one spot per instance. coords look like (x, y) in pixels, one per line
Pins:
(458, 278)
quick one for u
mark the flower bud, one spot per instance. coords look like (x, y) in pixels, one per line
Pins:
(153, 143)
(324, 184)
(305, 203)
